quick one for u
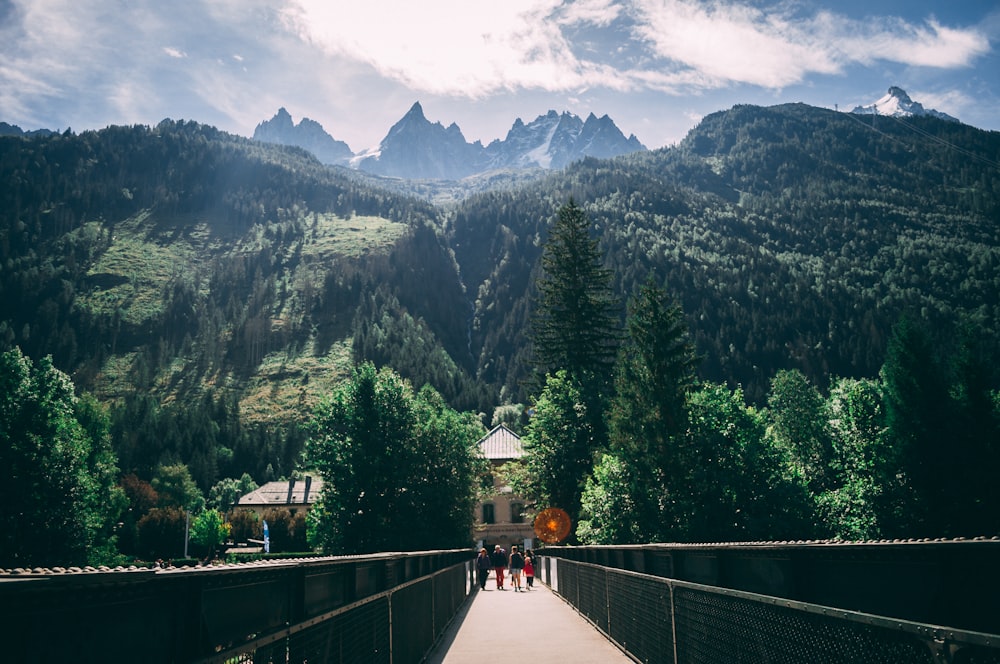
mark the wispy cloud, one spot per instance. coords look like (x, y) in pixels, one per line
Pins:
(926, 45)
(451, 47)
(446, 46)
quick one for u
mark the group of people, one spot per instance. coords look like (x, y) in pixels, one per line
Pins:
(519, 564)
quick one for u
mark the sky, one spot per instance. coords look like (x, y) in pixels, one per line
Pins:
(656, 67)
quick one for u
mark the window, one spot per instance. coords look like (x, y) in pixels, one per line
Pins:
(516, 513)
(488, 513)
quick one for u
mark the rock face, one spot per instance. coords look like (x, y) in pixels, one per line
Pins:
(896, 103)
(415, 148)
(308, 134)
(554, 140)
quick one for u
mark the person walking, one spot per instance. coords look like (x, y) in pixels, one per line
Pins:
(499, 560)
(483, 567)
(529, 569)
(516, 567)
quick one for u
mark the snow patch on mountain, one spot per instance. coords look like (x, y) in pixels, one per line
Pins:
(896, 103)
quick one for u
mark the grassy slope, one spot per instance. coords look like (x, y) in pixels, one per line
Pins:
(143, 260)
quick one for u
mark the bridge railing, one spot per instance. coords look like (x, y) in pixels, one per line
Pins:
(387, 607)
(660, 619)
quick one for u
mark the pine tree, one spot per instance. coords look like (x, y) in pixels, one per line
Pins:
(918, 417)
(648, 415)
(575, 320)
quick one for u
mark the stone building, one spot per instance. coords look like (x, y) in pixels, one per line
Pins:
(500, 517)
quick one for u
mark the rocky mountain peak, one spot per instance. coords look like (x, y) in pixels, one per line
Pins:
(308, 134)
(417, 148)
(896, 103)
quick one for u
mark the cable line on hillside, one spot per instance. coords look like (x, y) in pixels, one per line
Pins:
(925, 134)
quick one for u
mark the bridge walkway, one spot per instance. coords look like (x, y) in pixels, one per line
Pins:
(501, 626)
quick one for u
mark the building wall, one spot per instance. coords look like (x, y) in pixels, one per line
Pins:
(503, 530)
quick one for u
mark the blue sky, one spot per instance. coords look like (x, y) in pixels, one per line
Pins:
(655, 66)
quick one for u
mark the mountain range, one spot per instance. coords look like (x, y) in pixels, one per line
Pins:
(417, 149)
(13, 130)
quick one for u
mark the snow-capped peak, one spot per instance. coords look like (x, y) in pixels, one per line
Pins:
(896, 103)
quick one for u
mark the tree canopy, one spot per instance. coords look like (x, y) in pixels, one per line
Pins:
(399, 468)
(60, 495)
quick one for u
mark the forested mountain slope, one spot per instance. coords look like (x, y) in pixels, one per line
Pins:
(181, 265)
(214, 289)
(792, 236)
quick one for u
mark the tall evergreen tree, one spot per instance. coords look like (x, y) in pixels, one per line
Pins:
(917, 415)
(977, 431)
(575, 320)
(648, 414)
(575, 333)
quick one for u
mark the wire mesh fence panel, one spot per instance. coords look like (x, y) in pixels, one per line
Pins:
(715, 628)
(412, 621)
(976, 655)
(639, 617)
(592, 594)
(450, 590)
(357, 636)
(274, 653)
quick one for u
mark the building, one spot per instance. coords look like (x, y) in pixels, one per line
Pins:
(500, 518)
(293, 495)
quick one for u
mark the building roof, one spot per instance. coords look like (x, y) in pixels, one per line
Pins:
(288, 492)
(501, 444)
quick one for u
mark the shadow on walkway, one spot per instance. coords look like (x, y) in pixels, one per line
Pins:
(495, 623)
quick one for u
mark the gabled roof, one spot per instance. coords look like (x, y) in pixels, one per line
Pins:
(287, 492)
(501, 444)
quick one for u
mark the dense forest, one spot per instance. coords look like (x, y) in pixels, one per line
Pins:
(210, 291)
(793, 237)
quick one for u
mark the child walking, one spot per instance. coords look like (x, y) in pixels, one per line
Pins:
(529, 569)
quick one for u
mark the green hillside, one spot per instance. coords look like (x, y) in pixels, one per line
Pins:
(794, 237)
(201, 282)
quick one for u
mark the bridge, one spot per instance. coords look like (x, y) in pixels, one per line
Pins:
(915, 601)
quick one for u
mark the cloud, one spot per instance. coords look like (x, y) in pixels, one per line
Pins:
(451, 47)
(927, 45)
(601, 13)
(731, 42)
(953, 102)
(174, 53)
(444, 47)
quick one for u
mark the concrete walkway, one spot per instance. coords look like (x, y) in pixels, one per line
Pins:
(505, 625)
